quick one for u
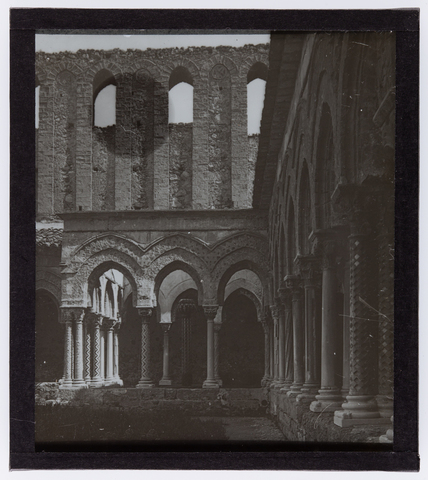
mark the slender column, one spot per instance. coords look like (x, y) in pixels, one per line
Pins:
(166, 378)
(329, 398)
(103, 351)
(361, 406)
(78, 381)
(275, 317)
(210, 313)
(285, 295)
(110, 323)
(217, 327)
(116, 352)
(68, 346)
(271, 353)
(294, 284)
(281, 345)
(185, 308)
(265, 324)
(345, 365)
(73, 346)
(87, 336)
(96, 363)
(146, 315)
(308, 266)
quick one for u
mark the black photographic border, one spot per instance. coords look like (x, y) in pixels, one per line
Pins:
(24, 23)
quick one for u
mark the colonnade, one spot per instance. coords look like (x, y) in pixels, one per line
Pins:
(327, 345)
(91, 349)
(184, 311)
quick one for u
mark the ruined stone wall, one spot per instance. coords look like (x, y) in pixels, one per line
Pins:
(142, 162)
(180, 165)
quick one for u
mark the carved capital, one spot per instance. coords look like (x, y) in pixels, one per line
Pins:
(109, 323)
(309, 267)
(145, 314)
(210, 311)
(274, 311)
(72, 314)
(294, 284)
(284, 293)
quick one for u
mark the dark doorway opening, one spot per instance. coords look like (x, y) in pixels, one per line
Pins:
(241, 360)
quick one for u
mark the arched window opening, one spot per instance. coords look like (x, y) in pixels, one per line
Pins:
(255, 100)
(180, 96)
(104, 99)
(256, 86)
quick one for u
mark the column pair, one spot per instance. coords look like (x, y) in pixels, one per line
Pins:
(308, 266)
(291, 292)
(73, 318)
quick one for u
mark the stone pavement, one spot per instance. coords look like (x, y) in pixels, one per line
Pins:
(249, 428)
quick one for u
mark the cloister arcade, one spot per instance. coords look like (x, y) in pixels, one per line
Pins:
(167, 323)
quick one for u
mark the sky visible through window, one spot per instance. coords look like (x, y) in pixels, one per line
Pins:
(180, 103)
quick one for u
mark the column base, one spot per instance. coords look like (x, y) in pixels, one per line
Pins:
(165, 382)
(295, 390)
(78, 384)
(343, 418)
(210, 384)
(280, 384)
(286, 387)
(328, 400)
(145, 384)
(96, 383)
(66, 384)
(308, 394)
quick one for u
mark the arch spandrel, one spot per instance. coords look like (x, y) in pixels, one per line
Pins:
(103, 242)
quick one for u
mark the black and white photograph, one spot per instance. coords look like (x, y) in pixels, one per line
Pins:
(215, 238)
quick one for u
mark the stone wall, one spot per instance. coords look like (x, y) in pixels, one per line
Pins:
(180, 165)
(299, 424)
(206, 402)
(103, 148)
(143, 162)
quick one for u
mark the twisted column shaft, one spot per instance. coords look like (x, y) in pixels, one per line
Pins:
(145, 380)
